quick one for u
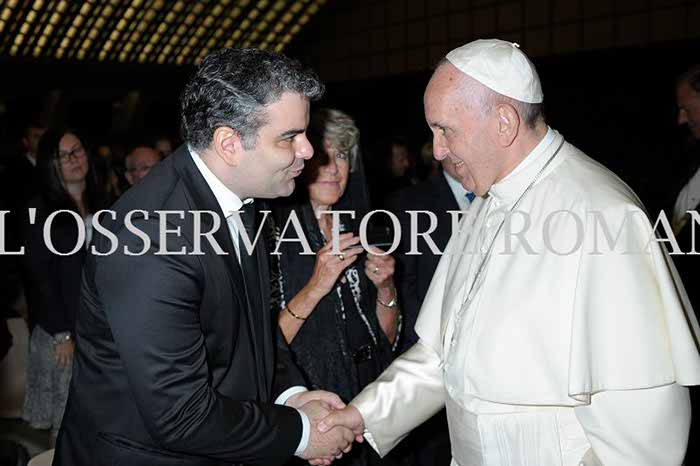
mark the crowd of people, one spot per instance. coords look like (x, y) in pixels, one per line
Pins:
(254, 355)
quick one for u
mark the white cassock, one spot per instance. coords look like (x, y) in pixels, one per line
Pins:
(573, 357)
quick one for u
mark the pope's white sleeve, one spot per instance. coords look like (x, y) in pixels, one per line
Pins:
(638, 427)
(408, 393)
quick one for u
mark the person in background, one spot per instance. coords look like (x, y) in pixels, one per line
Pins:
(106, 170)
(688, 101)
(429, 167)
(400, 164)
(338, 313)
(687, 197)
(52, 281)
(139, 162)
(23, 176)
(439, 194)
(164, 145)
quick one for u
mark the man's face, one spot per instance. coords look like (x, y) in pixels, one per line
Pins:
(139, 162)
(281, 148)
(31, 139)
(688, 108)
(400, 160)
(460, 134)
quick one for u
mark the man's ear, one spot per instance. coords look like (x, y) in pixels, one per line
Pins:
(508, 124)
(227, 144)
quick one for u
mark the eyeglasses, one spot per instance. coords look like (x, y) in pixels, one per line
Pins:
(77, 153)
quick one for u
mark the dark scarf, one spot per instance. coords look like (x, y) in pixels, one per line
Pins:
(329, 346)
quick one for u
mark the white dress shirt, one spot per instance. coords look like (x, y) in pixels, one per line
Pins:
(688, 199)
(458, 191)
(229, 203)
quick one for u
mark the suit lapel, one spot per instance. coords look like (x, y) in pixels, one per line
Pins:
(203, 199)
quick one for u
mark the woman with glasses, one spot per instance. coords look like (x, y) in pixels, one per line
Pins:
(52, 271)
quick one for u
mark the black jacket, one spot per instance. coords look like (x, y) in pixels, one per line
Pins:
(172, 365)
(415, 272)
(52, 281)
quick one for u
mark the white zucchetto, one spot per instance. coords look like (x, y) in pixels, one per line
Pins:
(501, 66)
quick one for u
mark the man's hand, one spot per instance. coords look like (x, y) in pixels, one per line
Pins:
(300, 399)
(324, 447)
(349, 418)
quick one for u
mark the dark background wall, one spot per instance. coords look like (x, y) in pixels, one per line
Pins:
(608, 69)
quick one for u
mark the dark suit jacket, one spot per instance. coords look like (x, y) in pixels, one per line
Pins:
(52, 281)
(172, 365)
(415, 272)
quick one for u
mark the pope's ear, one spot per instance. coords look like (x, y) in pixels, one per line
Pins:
(228, 145)
(508, 124)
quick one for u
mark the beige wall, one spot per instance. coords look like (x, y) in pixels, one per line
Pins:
(355, 39)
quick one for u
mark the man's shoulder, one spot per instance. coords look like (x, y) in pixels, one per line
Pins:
(157, 191)
(425, 192)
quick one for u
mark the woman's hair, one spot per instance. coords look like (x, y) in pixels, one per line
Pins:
(340, 130)
(51, 186)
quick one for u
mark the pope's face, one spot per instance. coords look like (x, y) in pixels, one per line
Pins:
(278, 157)
(460, 134)
(689, 108)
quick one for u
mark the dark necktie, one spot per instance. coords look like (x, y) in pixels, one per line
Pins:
(251, 275)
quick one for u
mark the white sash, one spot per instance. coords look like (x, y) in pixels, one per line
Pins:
(549, 437)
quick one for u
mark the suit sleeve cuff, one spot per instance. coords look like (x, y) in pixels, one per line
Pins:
(305, 433)
(288, 393)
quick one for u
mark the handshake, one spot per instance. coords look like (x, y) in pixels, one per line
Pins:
(334, 426)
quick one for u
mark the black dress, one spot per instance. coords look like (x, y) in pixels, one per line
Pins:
(341, 347)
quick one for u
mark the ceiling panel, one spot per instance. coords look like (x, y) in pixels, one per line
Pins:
(173, 32)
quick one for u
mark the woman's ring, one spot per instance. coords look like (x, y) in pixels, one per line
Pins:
(341, 256)
(376, 269)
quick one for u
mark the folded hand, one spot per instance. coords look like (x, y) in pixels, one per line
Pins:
(324, 446)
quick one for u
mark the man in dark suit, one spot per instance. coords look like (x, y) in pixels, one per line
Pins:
(439, 194)
(686, 197)
(175, 351)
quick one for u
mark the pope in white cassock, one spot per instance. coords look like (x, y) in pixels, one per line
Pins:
(556, 335)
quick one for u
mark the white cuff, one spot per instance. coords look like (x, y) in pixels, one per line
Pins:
(305, 433)
(368, 436)
(305, 424)
(288, 393)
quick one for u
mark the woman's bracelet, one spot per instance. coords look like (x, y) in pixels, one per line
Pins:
(391, 304)
(293, 314)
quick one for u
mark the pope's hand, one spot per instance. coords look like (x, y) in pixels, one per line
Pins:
(349, 417)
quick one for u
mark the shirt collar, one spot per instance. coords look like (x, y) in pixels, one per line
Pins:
(456, 187)
(518, 180)
(30, 159)
(227, 199)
